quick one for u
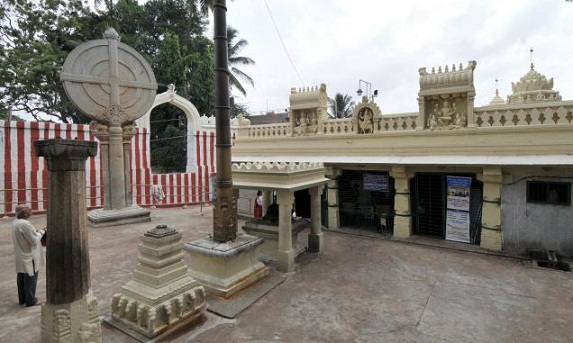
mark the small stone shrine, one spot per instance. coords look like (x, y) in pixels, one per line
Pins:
(285, 179)
(70, 314)
(162, 295)
(114, 85)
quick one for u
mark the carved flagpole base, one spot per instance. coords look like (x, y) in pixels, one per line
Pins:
(77, 321)
(226, 268)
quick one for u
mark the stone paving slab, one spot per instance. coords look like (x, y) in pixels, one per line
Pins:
(230, 308)
(361, 289)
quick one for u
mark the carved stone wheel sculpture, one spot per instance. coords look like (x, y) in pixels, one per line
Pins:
(109, 81)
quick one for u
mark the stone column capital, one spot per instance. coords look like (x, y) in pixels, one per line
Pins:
(128, 131)
(65, 154)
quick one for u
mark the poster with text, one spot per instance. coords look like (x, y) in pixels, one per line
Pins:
(458, 208)
(459, 189)
(458, 226)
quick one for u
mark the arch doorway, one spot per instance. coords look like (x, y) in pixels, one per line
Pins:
(192, 126)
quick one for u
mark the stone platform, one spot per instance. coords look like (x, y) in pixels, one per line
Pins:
(270, 234)
(226, 268)
(128, 215)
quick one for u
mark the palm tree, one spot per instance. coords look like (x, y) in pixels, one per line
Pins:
(235, 59)
(341, 106)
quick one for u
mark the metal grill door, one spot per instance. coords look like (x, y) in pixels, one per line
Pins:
(430, 206)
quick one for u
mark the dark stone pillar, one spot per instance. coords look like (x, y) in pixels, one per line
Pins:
(225, 211)
(67, 266)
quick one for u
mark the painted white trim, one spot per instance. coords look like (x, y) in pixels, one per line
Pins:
(522, 160)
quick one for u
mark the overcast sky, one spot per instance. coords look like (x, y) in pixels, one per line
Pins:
(338, 42)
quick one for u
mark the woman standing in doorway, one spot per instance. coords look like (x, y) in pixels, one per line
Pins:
(258, 211)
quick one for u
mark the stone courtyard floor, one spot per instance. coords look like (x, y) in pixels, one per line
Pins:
(361, 289)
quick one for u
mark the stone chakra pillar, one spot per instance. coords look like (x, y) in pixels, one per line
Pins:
(162, 295)
(114, 85)
(70, 314)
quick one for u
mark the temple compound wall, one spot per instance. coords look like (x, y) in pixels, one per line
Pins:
(496, 176)
(23, 176)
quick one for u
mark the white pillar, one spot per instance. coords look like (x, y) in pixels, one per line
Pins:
(315, 236)
(285, 254)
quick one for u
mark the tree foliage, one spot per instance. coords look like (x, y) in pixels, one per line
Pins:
(169, 139)
(340, 106)
(235, 60)
(37, 35)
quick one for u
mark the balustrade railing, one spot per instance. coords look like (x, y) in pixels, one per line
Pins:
(534, 114)
(546, 114)
(398, 122)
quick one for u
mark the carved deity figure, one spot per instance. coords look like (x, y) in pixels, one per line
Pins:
(365, 121)
(301, 123)
(432, 121)
(89, 333)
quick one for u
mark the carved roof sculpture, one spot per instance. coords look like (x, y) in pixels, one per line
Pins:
(533, 87)
(308, 97)
(307, 109)
(454, 80)
(367, 115)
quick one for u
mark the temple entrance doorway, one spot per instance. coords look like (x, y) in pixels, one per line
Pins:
(366, 201)
(429, 205)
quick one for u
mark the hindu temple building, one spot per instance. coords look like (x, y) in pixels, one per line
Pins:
(497, 176)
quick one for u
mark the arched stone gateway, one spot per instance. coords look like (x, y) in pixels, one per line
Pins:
(193, 121)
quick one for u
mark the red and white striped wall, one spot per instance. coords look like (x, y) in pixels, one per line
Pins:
(23, 176)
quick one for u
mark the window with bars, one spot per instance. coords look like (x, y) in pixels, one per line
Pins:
(551, 193)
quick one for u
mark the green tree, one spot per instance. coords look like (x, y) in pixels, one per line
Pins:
(170, 34)
(37, 35)
(168, 146)
(340, 106)
(235, 60)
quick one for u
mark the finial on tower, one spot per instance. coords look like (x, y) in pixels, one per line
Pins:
(531, 57)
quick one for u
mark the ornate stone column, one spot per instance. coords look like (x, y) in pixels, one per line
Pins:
(403, 216)
(286, 254)
(127, 135)
(471, 120)
(491, 215)
(70, 314)
(315, 235)
(421, 119)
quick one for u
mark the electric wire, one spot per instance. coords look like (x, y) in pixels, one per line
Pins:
(282, 42)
